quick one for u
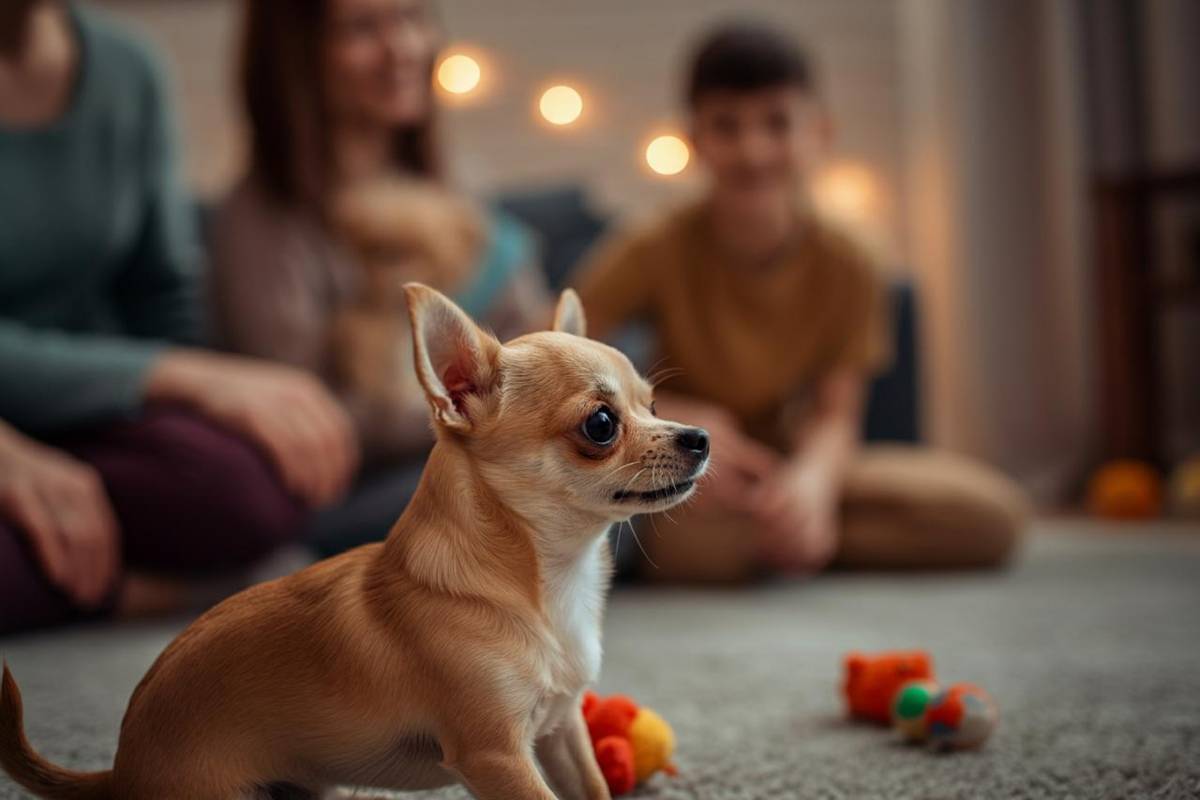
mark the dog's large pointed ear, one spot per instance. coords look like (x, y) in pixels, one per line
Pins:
(455, 360)
(568, 317)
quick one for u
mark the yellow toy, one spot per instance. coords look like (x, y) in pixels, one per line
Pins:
(1185, 488)
(653, 744)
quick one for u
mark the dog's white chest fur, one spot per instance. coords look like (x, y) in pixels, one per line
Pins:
(573, 596)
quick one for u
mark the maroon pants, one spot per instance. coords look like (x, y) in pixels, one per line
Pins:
(190, 498)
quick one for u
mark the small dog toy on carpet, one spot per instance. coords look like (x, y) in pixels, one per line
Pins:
(899, 688)
(1125, 490)
(872, 681)
(632, 743)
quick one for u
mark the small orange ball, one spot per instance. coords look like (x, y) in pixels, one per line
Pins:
(1125, 490)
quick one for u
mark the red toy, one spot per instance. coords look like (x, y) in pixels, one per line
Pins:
(610, 716)
(872, 681)
(614, 754)
(631, 743)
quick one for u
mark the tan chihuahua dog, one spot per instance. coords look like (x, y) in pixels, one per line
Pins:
(456, 650)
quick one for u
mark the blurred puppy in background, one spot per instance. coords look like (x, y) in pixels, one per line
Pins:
(396, 230)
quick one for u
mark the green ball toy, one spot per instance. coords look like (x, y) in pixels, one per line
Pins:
(908, 709)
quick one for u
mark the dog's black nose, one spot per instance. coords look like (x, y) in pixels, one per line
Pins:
(694, 441)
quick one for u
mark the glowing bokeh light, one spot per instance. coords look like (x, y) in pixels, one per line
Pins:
(667, 154)
(560, 105)
(459, 74)
(847, 190)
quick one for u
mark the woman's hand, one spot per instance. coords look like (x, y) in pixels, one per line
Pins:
(286, 412)
(59, 503)
(738, 463)
(797, 513)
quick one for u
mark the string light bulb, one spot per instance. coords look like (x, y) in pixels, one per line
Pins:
(459, 74)
(561, 105)
(848, 191)
(667, 154)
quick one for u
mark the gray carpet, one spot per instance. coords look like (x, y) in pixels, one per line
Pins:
(1091, 646)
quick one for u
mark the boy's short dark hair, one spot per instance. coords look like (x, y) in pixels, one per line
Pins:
(744, 57)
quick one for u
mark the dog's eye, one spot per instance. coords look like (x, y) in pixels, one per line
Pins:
(601, 426)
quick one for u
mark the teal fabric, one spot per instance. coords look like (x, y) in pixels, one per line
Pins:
(509, 249)
(99, 260)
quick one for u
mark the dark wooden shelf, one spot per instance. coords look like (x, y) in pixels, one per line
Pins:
(1131, 297)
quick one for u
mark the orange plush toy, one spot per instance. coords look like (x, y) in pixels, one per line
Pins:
(1125, 490)
(631, 743)
(872, 681)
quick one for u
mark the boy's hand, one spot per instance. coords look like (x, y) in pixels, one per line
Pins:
(738, 463)
(60, 504)
(797, 509)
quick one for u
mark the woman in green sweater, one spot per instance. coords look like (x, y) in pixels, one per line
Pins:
(124, 449)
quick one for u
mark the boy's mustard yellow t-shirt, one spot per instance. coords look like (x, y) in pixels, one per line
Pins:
(755, 341)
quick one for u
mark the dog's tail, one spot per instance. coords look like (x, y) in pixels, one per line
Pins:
(32, 771)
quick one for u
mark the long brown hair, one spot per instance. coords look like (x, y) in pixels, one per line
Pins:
(280, 76)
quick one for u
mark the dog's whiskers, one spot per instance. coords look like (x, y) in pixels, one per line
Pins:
(665, 375)
(631, 481)
(646, 555)
(613, 472)
(654, 367)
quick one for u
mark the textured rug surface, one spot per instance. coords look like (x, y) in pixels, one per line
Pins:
(1090, 645)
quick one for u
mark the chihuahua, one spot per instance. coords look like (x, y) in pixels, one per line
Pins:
(455, 651)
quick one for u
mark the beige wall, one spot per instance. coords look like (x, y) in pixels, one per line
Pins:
(197, 39)
(624, 54)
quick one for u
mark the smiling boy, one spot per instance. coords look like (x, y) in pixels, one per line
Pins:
(770, 322)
